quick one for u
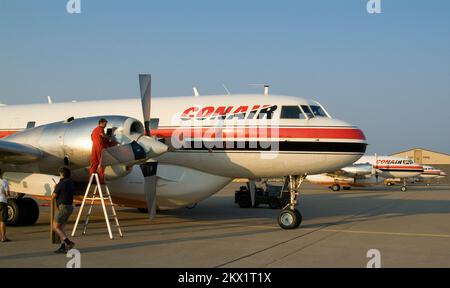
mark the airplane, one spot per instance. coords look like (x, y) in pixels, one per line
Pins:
(429, 174)
(369, 171)
(210, 141)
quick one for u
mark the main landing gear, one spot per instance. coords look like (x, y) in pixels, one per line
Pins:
(290, 217)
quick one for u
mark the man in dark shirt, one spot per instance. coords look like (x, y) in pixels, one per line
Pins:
(64, 198)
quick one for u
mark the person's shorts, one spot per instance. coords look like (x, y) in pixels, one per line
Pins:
(3, 212)
(63, 214)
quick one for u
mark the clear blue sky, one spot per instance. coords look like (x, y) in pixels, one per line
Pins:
(388, 73)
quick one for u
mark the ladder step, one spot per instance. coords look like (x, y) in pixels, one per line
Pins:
(97, 198)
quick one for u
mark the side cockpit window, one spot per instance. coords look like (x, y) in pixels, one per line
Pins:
(291, 112)
(307, 111)
(318, 111)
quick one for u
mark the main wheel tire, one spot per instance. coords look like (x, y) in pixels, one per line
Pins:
(404, 189)
(299, 219)
(30, 211)
(289, 219)
(336, 187)
(14, 212)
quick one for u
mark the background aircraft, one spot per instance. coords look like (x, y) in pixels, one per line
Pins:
(428, 175)
(369, 171)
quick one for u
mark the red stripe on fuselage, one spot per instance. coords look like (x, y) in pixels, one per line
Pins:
(400, 167)
(312, 133)
(4, 134)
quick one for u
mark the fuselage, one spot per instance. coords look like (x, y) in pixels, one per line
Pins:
(430, 173)
(392, 167)
(238, 136)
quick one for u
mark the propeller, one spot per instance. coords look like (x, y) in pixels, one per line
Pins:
(149, 168)
(145, 83)
(143, 147)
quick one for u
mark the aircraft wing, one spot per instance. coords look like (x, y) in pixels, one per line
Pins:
(15, 153)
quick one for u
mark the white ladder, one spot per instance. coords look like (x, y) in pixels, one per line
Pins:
(102, 197)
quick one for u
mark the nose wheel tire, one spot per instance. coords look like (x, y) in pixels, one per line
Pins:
(404, 189)
(289, 219)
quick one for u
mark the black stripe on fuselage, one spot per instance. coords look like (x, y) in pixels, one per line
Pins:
(277, 146)
(401, 170)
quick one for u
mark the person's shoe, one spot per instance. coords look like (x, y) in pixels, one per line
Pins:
(69, 245)
(61, 250)
(6, 240)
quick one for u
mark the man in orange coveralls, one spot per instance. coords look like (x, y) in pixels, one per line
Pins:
(100, 141)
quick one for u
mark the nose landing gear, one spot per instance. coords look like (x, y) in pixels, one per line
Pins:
(404, 188)
(290, 217)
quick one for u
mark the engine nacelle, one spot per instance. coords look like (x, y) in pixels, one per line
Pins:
(69, 143)
(358, 170)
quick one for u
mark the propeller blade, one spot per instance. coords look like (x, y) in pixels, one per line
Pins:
(145, 83)
(149, 170)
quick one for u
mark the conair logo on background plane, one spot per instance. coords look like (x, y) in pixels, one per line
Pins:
(395, 162)
(229, 112)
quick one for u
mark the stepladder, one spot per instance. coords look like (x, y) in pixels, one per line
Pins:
(101, 194)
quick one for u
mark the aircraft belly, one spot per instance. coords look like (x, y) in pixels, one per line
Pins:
(398, 174)
(257, 165)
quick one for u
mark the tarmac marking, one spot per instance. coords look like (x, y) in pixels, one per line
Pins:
(408, 234)
(387, 233)
(323, 228)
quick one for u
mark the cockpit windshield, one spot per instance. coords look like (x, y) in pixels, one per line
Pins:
(291, 112)
(307, 111)
(318, 111)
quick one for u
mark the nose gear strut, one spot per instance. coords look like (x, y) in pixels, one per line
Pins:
(290, 217)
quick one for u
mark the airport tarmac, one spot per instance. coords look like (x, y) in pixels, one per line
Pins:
(409, 229)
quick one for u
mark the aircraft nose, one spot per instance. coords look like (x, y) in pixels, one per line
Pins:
(347, 131)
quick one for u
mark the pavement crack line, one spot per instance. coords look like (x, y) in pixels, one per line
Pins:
(320, 228)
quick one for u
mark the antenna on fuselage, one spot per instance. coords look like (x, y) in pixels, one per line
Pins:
(266, 88)
(196, 94)
(226, 89)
